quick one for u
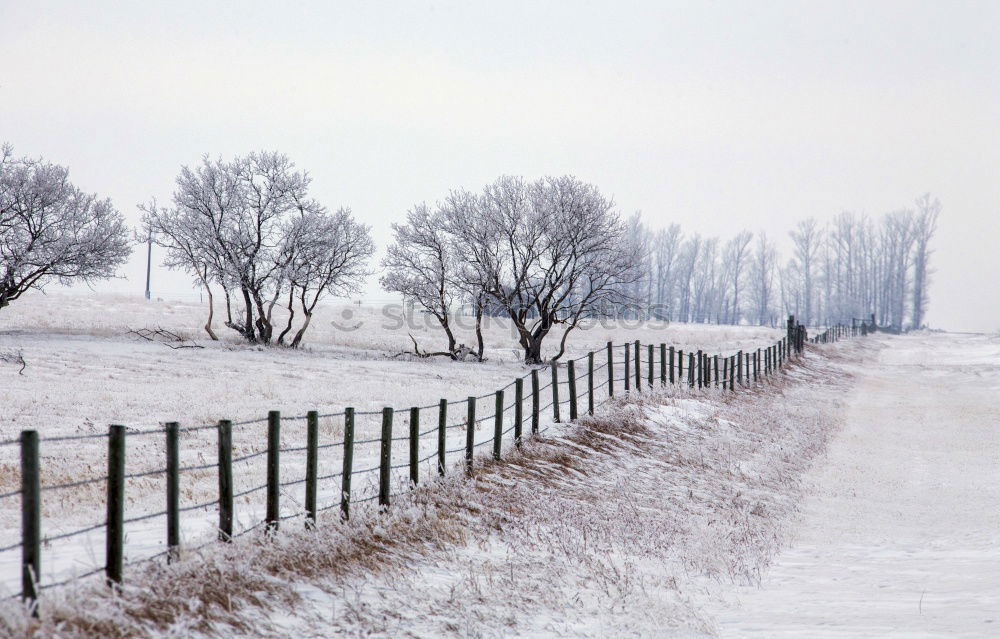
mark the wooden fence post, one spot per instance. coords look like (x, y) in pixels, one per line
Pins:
(649, 365)
(680, 366)
(628, 367)
(671, 365)
(700, 374)
(663, 364)
(225, 480)
(385, 460)
(115, 537)
(312, 463)
(518, 410)
(414, 446)
(611, 370)
(691, 369)
(535, 401)
(470, 434)
(638, 366)
(173, 492)
(572, 391)
(348, 469)
(716, 371)
(442, 435)
(726, 373)
(273, 470)
(31, 521)
(590, 383)
(498, 425)
(555, 392)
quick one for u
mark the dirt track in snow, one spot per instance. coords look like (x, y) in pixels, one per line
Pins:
(901, 535)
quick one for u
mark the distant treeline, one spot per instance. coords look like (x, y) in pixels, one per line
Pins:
(850, 267)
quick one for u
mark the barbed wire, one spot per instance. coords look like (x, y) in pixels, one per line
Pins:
(587, 394)
(74, 484)
(73, 533)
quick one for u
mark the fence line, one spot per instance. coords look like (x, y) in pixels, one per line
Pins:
(426, 453)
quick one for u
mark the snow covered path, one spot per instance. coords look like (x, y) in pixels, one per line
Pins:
(901, 535)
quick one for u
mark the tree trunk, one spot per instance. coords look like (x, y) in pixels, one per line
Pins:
(479, 331)
(211, 312)
(291, 316)
(248, 328)
(264, 328)
(533, 351)
(302, 329)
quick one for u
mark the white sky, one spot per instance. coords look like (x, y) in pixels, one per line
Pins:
(715, 115)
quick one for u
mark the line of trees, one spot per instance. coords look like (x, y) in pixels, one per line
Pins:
(851, 267)
(546, 254)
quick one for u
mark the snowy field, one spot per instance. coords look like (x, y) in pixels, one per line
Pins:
(631, 524)
(84, 371)
(851, 496)
(900, 536)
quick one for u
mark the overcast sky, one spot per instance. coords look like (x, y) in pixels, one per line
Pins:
(715, 115)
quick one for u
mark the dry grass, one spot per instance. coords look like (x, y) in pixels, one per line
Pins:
(625, 523)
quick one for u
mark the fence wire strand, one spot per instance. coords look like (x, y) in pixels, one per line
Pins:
(586, 386)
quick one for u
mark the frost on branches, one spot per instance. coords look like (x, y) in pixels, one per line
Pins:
(249, 228)
(51, 230)
(545, 254)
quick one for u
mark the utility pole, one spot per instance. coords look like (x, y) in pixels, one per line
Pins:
(149, 260)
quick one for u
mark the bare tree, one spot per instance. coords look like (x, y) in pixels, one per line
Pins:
(703, 289)
(548, 253)
(188, 247)
(806, 237)
(52, 231)
(925, 227)
(736, 255)
(666, 250)
(639, 292)
(250, 227)
(330, 254)
(420, 265)
(765, 258)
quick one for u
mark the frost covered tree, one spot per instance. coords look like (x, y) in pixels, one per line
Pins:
(250, 227)
(420, 265)
(762, 272)
(666, 250)
(735, 258)
(806, 237)
(329, 256)
(547, 253)
(924, 228)
(50, 230)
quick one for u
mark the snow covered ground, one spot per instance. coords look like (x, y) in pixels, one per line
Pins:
(900, 536)
(681, 514)
(631, 524)
(84, 372)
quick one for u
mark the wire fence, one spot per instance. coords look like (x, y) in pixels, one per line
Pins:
(326, 467)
